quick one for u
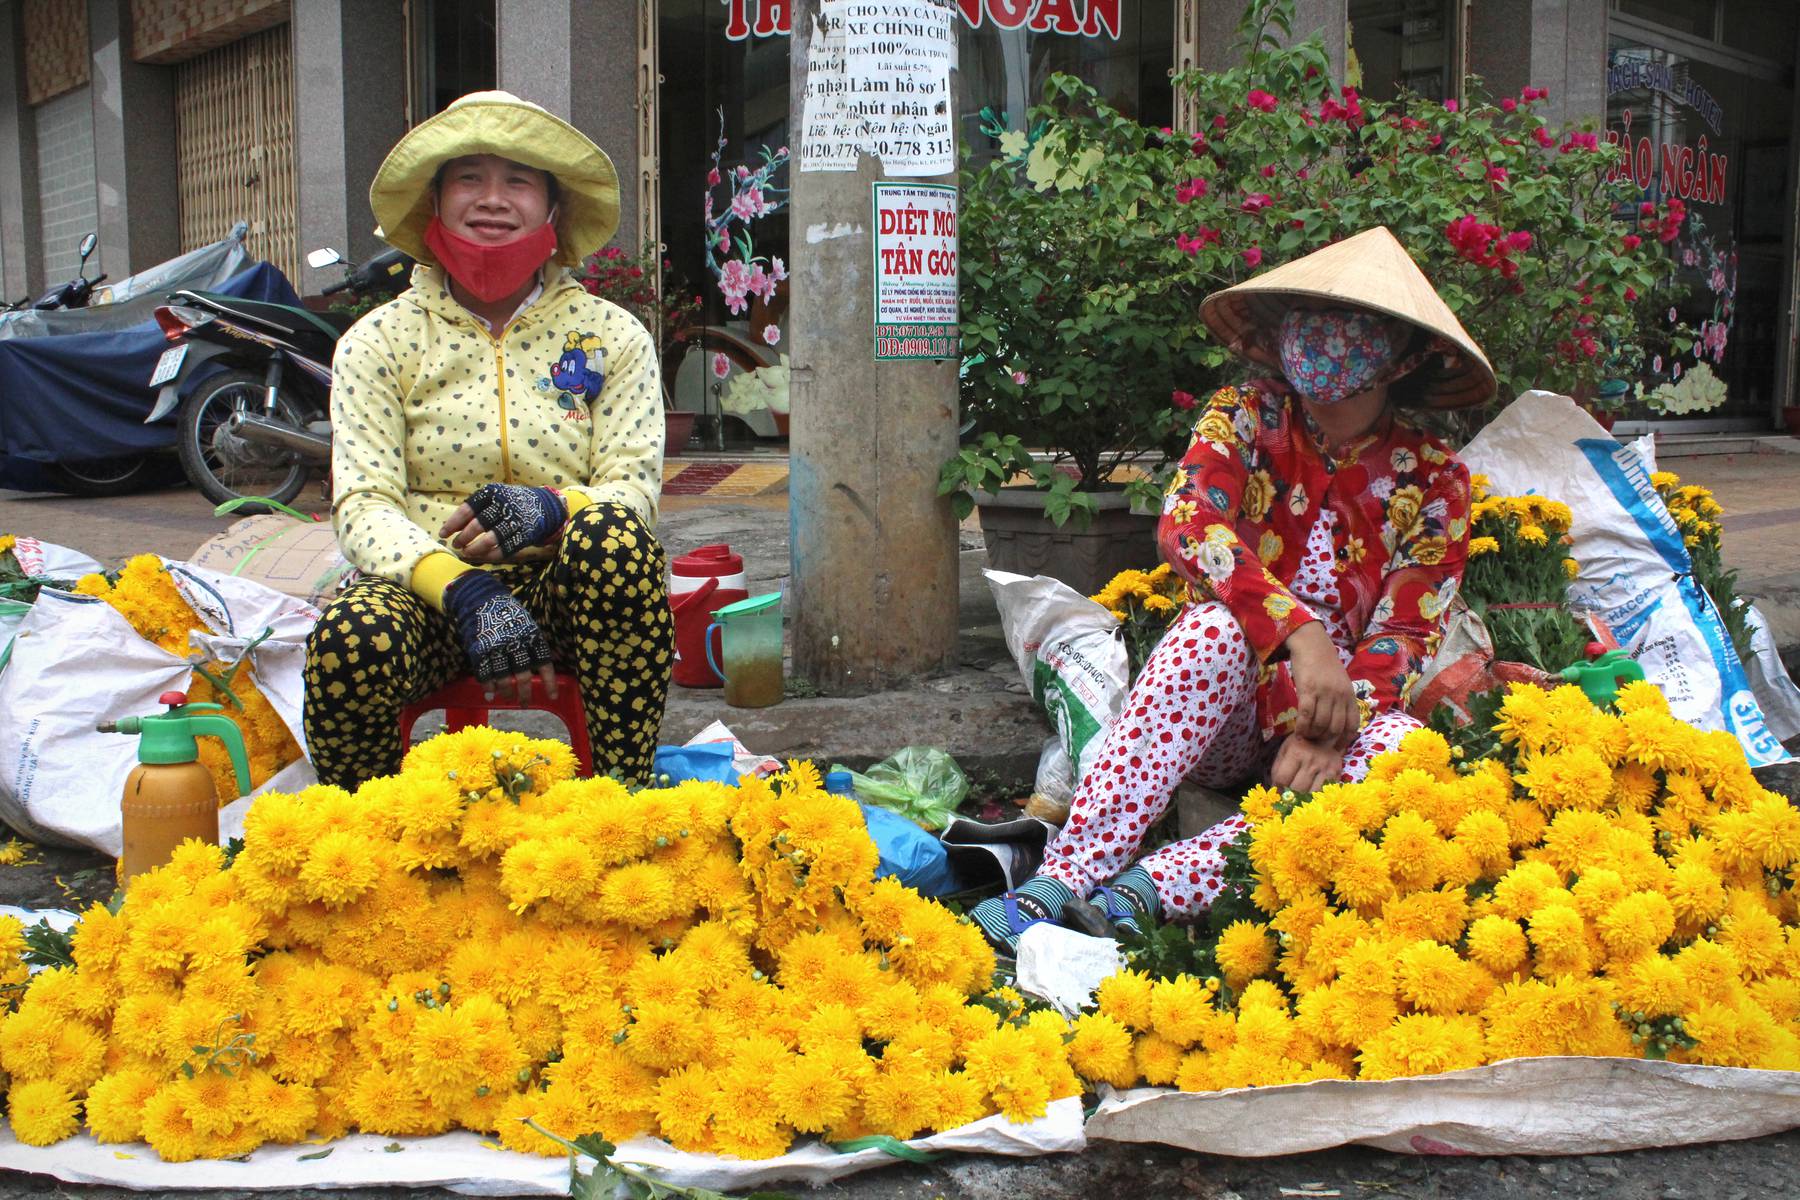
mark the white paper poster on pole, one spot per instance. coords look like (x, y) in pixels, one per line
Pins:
(878, 83)
(915, 271)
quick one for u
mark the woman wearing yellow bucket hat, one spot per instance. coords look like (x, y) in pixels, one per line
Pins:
(498, 452)
(1323, 537)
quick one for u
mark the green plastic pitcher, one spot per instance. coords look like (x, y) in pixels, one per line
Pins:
(750, 644)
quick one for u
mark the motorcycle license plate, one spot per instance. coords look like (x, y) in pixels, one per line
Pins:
(168, 365)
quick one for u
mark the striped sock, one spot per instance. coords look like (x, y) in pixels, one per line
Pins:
(1138, 890)
(1039, 898)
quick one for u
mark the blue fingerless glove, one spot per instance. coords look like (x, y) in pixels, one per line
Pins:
(495, 631)
(519, 517)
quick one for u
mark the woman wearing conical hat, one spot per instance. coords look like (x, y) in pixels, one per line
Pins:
(1323, 536)
(497, 457)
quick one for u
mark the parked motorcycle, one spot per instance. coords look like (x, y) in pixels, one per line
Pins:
(78, 291)
(258, 427)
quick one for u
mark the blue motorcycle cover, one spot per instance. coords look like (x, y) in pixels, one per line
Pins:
(82, 396)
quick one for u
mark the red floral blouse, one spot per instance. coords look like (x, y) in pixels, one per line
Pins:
(1371, 542)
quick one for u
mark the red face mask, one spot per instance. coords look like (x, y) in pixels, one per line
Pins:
(491, 273)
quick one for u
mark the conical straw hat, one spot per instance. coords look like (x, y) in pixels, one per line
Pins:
(1373, 271)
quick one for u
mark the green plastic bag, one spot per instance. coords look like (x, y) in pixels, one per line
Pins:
(920, 783)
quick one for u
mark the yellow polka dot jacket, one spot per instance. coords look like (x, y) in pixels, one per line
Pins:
(427, 405)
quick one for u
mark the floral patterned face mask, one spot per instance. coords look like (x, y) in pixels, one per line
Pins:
(1332, 354)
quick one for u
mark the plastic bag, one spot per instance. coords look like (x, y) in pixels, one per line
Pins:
(1073, 659)
(76, 663)
(908, 853)
(920, 783)
(1635, 571)
(708, 761)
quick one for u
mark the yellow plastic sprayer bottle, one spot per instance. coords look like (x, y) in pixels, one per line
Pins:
(169, 795)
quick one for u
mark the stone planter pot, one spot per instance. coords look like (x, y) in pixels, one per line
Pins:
(1021, 539)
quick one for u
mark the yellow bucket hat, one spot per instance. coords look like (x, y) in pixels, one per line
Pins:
(497, 123)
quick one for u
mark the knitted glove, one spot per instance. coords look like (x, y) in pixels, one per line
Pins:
(496, 632)
(517, 516)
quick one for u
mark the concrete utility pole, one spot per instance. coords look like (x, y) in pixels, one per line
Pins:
(873, 589)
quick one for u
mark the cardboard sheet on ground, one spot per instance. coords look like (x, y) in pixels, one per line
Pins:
(475, 1166)
(1523, 1106)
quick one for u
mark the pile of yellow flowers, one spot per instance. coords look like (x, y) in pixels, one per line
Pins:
(1608, 883)
(148, 599)
(484, 939)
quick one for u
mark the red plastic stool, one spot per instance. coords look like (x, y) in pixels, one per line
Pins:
(465, 704)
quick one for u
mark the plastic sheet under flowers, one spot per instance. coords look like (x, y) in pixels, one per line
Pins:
(1520, 1106)
(474, 1166)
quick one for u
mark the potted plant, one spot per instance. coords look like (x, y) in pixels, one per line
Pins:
(1089, 240)
(671, 314)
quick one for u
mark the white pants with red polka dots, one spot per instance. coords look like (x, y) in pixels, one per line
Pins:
(1191, 712)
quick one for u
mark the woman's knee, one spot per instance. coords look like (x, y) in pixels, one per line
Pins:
(613, 543)
(364, 637)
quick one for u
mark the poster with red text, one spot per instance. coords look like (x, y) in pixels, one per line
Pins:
(915, 271)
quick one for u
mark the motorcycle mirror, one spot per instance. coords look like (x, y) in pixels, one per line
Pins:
(323, 257)
(87, 246)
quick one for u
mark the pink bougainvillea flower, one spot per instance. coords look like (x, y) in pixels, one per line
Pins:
(1632, 241)
(1219, 121)
(1450, 106)
(1519, 240)
(1192, 190)
(1544, 137)
(1182, 400)
(1253, 256)
(1268, 172)
(771, 334)
(721, 366)
(1656, 364)
(1261, 100)
(1630, 294)
(1496, 175)
(1508, 105)
(1257, 201)
(1437, 139)
(1021, 378)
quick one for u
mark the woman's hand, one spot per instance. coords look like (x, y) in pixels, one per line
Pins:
(500, 520)
(1304, 765)
(1328, 712)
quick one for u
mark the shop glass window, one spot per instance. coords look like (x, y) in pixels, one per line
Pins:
(1767, 29)
(1717, 139)
(1403, 45)
(1694, 17)
(458, 53)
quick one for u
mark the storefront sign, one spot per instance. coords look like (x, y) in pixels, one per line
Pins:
(915, 271)
(878, 83)
(1691, 172)
(1086, 18)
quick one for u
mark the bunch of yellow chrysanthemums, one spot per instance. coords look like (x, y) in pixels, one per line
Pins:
(1608, 884)
(1518, 575)
(1693, 508)
(1144, 602)
(1518, 528)
(483, 939)
(148, 599)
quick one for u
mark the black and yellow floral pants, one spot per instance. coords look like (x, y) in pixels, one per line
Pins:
(600, 602)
